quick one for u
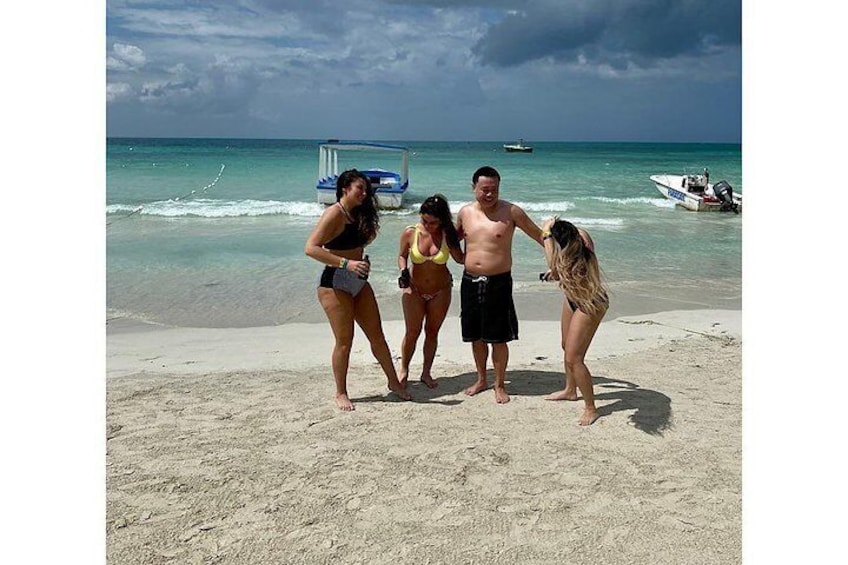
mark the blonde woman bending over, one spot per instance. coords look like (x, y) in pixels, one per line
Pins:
(570, 254)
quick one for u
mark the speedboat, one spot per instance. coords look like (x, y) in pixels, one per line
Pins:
(390, 185)
(694, 192)
(518, 147)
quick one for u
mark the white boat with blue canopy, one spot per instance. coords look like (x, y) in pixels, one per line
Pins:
(390, 184)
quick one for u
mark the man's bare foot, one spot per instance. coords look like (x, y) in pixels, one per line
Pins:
(400, 390)
(588, 417)
(344, 403)
(402, 377)
(501, 397)
(479, 386)
(429, 381)
(564, 394)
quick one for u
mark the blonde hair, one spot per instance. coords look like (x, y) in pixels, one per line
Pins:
(577, 268)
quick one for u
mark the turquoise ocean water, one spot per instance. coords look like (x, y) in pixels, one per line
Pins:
(210, 232)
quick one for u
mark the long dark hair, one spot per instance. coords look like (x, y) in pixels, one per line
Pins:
(366, 213)
(437, 206)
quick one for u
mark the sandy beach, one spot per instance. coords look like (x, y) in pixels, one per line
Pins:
(224, 446)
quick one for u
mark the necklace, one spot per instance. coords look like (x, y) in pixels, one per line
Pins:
(345, 212)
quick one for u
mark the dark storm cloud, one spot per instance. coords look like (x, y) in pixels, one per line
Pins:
(614, 32)
(501, 4)
(424, 69)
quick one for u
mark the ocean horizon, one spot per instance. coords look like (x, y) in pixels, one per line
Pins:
(209, 232)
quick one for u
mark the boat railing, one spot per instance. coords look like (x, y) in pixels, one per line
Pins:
(328, 159)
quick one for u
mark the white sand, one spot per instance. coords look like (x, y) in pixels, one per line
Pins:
(224, 446)
(297, 347)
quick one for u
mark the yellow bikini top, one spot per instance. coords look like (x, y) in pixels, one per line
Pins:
(417, 257)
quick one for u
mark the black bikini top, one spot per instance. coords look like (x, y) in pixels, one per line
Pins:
(350, 238)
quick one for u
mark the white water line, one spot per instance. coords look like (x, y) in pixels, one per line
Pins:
(196, 192)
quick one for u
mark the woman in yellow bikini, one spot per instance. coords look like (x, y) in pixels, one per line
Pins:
(426, 281)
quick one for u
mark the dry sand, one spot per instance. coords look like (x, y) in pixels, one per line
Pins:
(224, 446)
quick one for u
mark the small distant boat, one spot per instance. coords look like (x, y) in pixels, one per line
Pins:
(694, 192)
(519, 147)
(390, 186)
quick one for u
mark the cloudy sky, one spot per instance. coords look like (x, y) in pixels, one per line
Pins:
(581, 70)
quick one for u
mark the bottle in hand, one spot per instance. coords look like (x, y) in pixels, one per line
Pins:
(367, 260)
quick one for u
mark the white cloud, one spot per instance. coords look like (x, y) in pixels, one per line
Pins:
(217, 21)
(125, 57)
(117, 90)
(113, 64)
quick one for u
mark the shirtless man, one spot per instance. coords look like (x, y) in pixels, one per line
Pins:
(487, 311)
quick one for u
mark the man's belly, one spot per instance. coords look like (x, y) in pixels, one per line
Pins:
(488, 263)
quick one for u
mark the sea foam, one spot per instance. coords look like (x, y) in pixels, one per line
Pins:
(560, 206)
(658, 202)
(205, 208)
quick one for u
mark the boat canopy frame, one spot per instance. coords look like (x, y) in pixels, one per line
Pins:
(328, 157)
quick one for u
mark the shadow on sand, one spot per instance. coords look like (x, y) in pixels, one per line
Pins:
(652, 409)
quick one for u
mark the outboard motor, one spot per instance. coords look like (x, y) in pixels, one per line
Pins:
(724, 192)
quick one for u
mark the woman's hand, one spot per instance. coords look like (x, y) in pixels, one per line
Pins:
(404, 279)
(548, 276)
(361, 268)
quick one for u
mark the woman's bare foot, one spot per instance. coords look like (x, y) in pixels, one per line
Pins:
(344, 403)
(429, 381)
(588, 417)
(400, 390)
(478, 386)
(501, 397)
(564, 394)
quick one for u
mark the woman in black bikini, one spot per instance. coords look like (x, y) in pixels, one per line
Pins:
(570, 254)
(426, 281)
(338, 241)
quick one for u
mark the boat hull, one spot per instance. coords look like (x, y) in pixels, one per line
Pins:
(389, 186)
(672, 187)
(386, 198)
